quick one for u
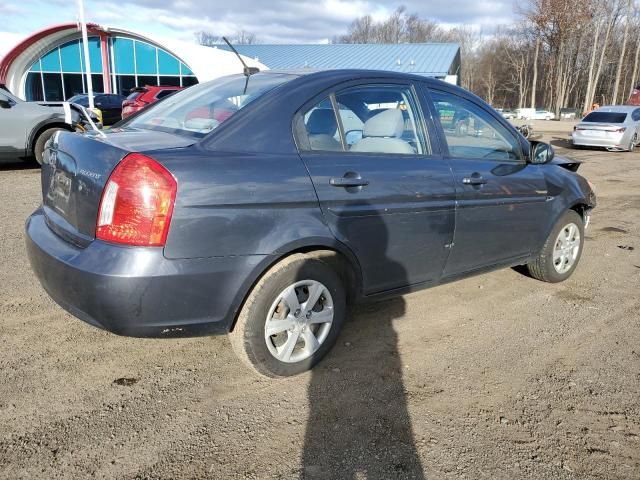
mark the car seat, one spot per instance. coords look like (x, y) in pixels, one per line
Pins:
(382, 132)
(321, 127)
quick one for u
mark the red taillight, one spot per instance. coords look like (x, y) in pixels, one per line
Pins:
(137, 203)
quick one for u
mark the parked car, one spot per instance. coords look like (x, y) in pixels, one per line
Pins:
(25, 127)
(509, 114)
(569, 113)
(142, 96)
(543, 115)
(267, 222)
(109, 104)
(616, 128)
(525, 113)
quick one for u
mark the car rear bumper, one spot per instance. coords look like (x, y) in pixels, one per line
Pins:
(617, 142)
(136, 291)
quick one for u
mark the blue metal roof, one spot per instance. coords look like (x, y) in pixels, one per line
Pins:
(429, 59)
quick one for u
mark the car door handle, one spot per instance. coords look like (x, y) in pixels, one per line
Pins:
(474, 179)
(347, 182)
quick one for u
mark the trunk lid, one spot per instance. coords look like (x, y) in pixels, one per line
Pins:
(75, 171)
(597, 129)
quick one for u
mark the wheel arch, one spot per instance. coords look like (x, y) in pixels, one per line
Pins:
(41, 127)
(338, 255)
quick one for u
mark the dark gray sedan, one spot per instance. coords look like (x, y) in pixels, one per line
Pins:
(263, 205)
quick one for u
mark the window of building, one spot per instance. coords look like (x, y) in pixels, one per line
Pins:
(60, 73)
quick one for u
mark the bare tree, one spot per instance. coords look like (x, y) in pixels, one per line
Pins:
(616, 84)
(242, 37)
(587, 49)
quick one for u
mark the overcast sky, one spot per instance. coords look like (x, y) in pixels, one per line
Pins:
(272, 21)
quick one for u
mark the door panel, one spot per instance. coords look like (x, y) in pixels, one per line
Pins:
(399, 225)
(395, 210)
(13, 126)
(500, 219)
(501, 200)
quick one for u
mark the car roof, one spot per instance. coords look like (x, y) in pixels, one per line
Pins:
(617, 108)
(341, 74)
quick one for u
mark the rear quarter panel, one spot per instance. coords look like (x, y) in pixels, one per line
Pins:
(241, 204)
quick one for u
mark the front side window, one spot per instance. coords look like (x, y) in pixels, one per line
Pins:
(199, 110)
(471, 131)
(379, 119)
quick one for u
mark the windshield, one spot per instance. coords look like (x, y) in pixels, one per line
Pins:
(606, 117)
(80, 100)
(199, 110)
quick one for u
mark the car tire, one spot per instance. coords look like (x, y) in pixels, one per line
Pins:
(561, 251)
(288, 351)
(38, 146)
(633, 143)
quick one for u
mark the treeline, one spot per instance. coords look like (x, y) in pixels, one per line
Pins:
(561, 53)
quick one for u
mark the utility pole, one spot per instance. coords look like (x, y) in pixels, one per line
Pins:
(87, 61)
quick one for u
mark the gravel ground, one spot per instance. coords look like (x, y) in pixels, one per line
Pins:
(498, 376)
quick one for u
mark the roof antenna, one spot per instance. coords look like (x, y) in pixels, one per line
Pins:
(248, 71)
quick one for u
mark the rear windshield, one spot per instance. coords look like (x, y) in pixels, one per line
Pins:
(605, 117)
(134, 95)
(80, 100)
(199, 109)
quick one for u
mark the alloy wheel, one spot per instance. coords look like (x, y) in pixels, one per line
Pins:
(566, 248)
(299, 321)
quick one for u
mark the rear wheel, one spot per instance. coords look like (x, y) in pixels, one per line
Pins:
(41, 140)
(291, 318)
(561, 252)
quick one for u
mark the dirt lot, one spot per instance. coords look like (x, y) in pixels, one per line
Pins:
(498, 376)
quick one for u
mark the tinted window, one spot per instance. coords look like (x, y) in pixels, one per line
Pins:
(636, 115)
(134, 95)
(605, 117)
(80, 100)
(198, 110)
(471, 131)
(164, 93)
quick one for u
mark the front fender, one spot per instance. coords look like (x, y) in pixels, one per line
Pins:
(567, 191)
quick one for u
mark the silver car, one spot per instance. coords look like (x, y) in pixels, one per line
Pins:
(25, 127)
(616, 128)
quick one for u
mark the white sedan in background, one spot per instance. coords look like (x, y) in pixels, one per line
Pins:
(615, 128)
(543, 115)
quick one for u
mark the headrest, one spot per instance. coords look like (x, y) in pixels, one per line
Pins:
(388, 123)
(322, 121)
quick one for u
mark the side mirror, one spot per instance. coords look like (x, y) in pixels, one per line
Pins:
(540, 153)
(5, 103)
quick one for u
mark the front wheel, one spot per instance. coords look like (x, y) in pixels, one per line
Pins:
(38, 146)
(562, 250)
(633, 143)
(291, 318)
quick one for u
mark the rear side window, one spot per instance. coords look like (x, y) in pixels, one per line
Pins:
(380, 119)
(471, 131)
(636, 115)
(605, 117)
